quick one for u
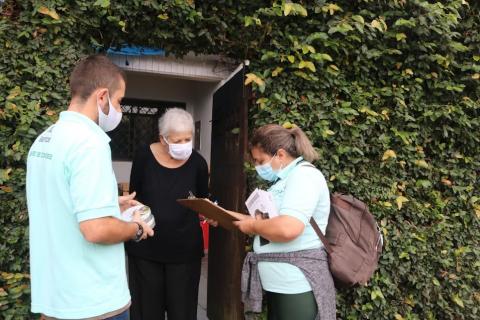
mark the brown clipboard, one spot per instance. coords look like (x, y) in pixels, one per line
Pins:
(212, 211)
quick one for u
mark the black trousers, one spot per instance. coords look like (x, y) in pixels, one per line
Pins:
(158, 288)
(300, 306)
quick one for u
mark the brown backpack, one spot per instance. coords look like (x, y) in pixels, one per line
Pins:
(353, 241)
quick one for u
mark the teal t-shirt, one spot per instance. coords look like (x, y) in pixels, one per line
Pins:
(70, 179)
(300, 192)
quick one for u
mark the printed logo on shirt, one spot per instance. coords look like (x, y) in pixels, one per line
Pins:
(39, 154)
(46, 137)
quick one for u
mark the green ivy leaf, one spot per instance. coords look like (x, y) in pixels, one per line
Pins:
(377, 294)
(458, 300)
(123, 25)
(49, 12)
(358, 19)
(294, 9)
(14, 93)
(316, 36)
(331, 8)
(457, 46)
(307, 64)
(421, 163)
(321, 57)
(102, 3)
(400, 36)
(410, 23)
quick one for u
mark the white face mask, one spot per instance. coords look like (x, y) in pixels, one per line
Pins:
(180, 151)
(110, 121)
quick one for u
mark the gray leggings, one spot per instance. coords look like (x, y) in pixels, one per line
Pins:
(300, 306)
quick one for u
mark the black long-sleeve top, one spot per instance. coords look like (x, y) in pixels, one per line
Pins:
(178, 236)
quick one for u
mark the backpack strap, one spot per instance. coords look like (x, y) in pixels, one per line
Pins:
(321, 236)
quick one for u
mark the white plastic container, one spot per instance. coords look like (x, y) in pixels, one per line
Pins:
(145, 214)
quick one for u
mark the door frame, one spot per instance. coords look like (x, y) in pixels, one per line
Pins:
(227, 248)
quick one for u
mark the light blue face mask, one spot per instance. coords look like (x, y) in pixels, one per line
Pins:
(266, 172)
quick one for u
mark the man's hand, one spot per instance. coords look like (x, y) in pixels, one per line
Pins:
(127, 201)
(147, 231)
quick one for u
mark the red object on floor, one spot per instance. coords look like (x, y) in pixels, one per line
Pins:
(204, 225)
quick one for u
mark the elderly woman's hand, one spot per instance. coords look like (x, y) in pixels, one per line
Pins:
(127, 201)
(213, 223)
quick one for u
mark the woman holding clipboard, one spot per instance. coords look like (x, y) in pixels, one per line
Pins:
(288, 261)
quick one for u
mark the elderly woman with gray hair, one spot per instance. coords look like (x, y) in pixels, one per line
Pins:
(164, 271)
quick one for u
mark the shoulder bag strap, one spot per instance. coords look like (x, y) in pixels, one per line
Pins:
(321, 236)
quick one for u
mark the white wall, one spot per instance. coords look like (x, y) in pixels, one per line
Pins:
(157, 87)
(197, 96)
(122, 170)
(203, 113)
(191, 66)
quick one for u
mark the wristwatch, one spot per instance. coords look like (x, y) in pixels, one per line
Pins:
(139, 234)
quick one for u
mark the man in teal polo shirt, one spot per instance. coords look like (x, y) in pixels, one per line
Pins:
(77, 260)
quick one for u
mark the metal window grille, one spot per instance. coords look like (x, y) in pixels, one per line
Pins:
(139, 126)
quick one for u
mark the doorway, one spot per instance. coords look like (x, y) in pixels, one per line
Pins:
(218, 105)
(147, 97)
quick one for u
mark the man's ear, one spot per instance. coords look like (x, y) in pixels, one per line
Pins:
(101, 97)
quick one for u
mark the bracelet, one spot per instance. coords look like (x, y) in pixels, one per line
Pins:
(139, 233)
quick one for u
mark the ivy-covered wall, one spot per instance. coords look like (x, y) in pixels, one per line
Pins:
(389, 91)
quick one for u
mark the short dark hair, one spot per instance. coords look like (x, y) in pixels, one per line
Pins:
(93, 72)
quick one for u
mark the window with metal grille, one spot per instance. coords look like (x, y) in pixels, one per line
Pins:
(139, 126)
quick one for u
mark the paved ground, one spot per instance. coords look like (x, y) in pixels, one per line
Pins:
(202, 291)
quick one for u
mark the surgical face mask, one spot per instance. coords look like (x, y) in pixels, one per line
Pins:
(180, 151)
(266, 172)
(109, 121)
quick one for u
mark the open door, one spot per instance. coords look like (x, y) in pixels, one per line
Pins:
(228, 186)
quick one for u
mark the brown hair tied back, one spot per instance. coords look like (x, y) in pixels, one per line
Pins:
(272, 137)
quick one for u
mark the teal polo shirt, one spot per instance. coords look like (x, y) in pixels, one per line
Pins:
(300, 192)
(70, 179)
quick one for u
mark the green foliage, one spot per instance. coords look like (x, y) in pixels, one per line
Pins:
(389, 91)
(389, 94)
(14, 295)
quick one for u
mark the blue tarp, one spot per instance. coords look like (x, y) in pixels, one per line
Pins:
(136, 51)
